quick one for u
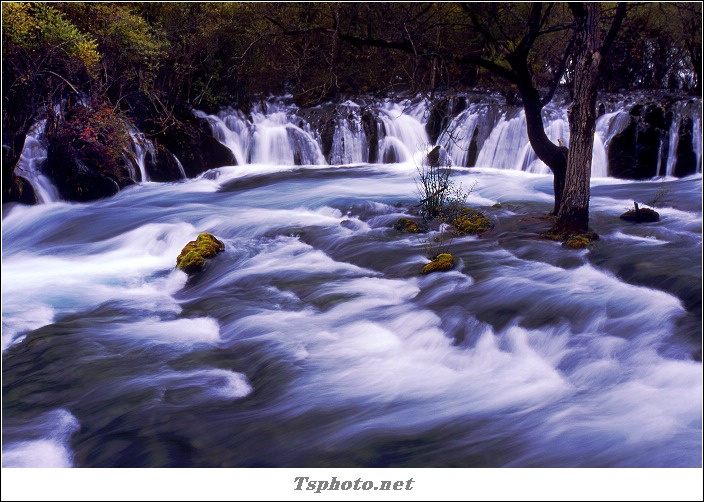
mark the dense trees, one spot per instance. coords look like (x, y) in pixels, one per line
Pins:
(44, 57)
(153, 61)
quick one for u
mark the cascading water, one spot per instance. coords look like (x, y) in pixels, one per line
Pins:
(180, 166)
(349, 143)
(484, 134)
(467, 130)
(140, 148)
(270, 137)
(313, 339)
(508, 147)
(276, 140)
(230, 129)
(30, 163)
(403, 134)
(698, 138)
(684, 111)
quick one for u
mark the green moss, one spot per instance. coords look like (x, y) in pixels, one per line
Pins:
(471, 222)
(554, 237)
(576, 242)
(441, 262)
(406, 225)
(572, 241)
(193, 255)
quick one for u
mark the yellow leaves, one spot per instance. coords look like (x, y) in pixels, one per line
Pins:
(41, 27)
(17, 24)
(87, 51)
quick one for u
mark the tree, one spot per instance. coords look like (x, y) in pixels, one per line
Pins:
(573, 214)
(659, 46)
(528, 45)
(571, 169)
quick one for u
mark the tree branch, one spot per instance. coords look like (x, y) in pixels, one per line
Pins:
(495, 68)
(534, 24)
(560, 72)
(479, 27)
(613, 31)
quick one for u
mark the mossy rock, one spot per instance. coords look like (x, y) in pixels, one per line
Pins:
(580, 241)
(409, 226)
(641, 215)
(441, 263)
(193, 255)
(471, 222)
(576, 242)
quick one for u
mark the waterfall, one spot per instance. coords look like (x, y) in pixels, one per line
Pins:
(180, 167)
(270, 136)
(30, 164)
(482, 132)
(275, 138)
(486, 133)
(684, 111)
(506, 139)
(349, 143)
(274, 141)
(140, 148)
(467, 130)
(404, 134)
(508, 147)
(697, 138)
(230, 129)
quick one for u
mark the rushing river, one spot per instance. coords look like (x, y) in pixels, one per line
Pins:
(314, 341)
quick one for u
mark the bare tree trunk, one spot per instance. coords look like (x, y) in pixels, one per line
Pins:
(555, 157)
(573, 215)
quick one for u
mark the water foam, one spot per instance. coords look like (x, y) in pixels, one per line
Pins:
(52, 450)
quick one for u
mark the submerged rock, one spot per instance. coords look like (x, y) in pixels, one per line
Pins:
(406, 225)
(192, 257)
(441, 263)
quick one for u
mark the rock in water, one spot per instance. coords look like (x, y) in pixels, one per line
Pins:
(442, 262)
(193, 255)
(641, 215)
(406, 225)
(471, 222)
(434, 157)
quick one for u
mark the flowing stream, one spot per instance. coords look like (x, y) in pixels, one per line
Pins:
(314, 341)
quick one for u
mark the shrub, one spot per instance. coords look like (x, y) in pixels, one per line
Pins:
(95, 136)
(440, 197)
